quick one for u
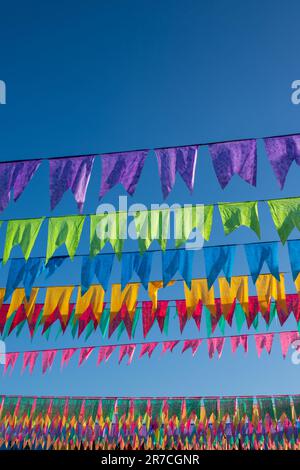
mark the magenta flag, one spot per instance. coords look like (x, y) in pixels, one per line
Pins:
(286, 339)
(66, 356)
(264, 341)
(85, 354)
(178, 159)
(147, 348)
(239, 340)
(127, 350)
(231, 158)
(169, 346)
(215, 344)
(282, 151)
(104, 353)
(124, 168)
(15, 176)
(192, 344)
(70, 173)
(10, 361)
(29, 359)
(47, 359)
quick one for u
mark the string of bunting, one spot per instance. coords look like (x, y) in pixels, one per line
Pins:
(253, 422)
(228, 158)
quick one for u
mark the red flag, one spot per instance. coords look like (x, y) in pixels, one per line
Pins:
(215, 344)
(47, 359)
(10, 361)
(85, 354)
(104, 353)
(148, 348)
(239, 340)
(66, 356)
(169, 346)
(127, 349)
(193, 344)
(29, 358)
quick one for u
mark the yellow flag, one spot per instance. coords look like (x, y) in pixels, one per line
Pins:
(128, 296)
(19, 298)
(268, 287)
(94, 297)
(199, 291)
(153, 288)
(58, 297)
(237, 289)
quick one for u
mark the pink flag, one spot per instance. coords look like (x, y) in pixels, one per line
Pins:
(85, 354)
(215, 344)
(169, 346)
(47, 359)
(193, 344)
(29, 358)
(104, 353)
(10, 361)
(264, 341)
(148, 348)
(286, 339)
(127, 349)
(66, 356)
(239, 340)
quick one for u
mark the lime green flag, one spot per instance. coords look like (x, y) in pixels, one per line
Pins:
(235, 214)
(286, 215)
(152, 225)
(192, 217)
(23, 233)
(64, 230)
(108, 228)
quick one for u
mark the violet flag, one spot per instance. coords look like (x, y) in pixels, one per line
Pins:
(70, 173)
(15, 176)
(282, 151)
(124, 168)
(178, 159)
(230, 158)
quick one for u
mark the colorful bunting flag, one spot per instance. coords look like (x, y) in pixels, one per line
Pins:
(235, 214)
(23, 233)
(217, 259)
(64, 230)
(282, 151)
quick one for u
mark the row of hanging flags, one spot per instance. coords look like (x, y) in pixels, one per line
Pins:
(259, 422)
(228, 158)
(215, 345)
(122, 313)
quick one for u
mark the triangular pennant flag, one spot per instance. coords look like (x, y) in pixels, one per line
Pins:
(85, 354)
(268, 287)
(192, 344)
(47, 359)
(177, 260)
(286, 215)
(64, 230)
(239, 340)
(235, 214)
(294, 255)
(217, 259)
(149, 315)
(99, 267)
(58, 300)
(54, 263)
(264, 341)
(169, 346)
(230, 293)
(110, 228)
(10, 361)
(152, 225)
(104, 353)
(70, 173)
(215, 344)
(124, 168)
(238, 157)
(66, 356)
(189, 218)
(183, 314)
(148, 348)
(260, 253)
(282, 151)
(286, 339)
(22, 271)
(29, 359)
(23, 233)
(127, 350)
(136, 263)
(178, 159)
(15, 176)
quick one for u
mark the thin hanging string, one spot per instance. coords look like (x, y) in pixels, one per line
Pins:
(201, 144)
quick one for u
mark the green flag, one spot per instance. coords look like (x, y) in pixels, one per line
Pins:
(283, 405)
(266, 407)
(108, 228)
(192, 217)
(286, 216)
(235, 214)
(64, 230)
(23, 233)
(152, 225)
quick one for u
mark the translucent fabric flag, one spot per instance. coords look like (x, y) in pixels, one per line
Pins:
(230, 293)
(23, 233)
(15, 176)
(108, 228)
(66, 356)
(294, 255)
(178, 159)
(19, 298)
(149, 315)
(58, 299)
(136, 263)
(70, 173)
(192, 344)
(259, 253)
(189, 218)
(282, 151)
(64, 230)
(104, 353)
(98, 267)
(199, 291)
(48, 359)
(215, 344)
(148, 348)
(127, 350)
(92, 300)
(217, 259)
(237, 341)
(29, 359)
(286, 215)
(52, 264)
(24, 272)
(239, 157)
(264, 341)
(268, 287)
(174, 261)
(152, 225)
(169, 346)
(235, 214)
(124, 168)
(85, 354)
(10, 361)
(286, 339)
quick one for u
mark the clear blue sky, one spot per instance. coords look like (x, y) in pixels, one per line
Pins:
(100, 76)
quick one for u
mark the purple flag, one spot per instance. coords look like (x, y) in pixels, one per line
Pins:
(282, 151)
(124, 168)
(15, 176)
(231, 158)
(70, 172)
(171, 160)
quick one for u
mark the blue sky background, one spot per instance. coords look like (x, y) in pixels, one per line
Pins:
(103, 76)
